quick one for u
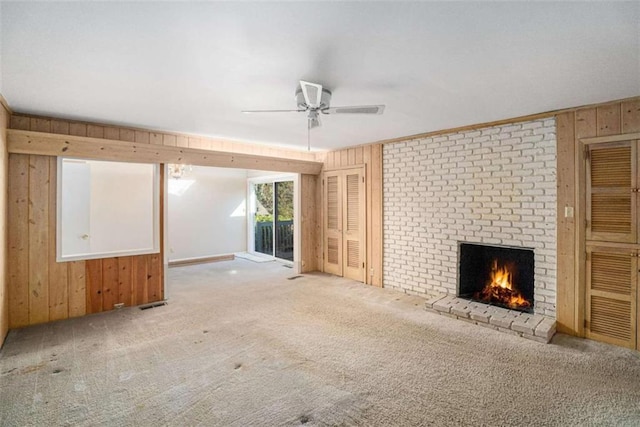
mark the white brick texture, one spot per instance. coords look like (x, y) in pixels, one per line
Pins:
(494, 186)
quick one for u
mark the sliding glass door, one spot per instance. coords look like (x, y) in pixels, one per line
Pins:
(283, 221)
(263, 218)
(273, 219)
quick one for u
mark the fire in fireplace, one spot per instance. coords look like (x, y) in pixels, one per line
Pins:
(498, 275)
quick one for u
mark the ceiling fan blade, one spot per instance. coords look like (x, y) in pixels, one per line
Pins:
(272, 111)
(312, 93)
(357, 109)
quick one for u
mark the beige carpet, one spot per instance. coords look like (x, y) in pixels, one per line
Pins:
(240, 345)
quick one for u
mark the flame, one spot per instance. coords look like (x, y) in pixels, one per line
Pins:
(500, 276)
(500, 288)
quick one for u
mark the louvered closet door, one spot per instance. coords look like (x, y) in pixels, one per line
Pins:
(612, 277)
(612, 192)
(333, 222)
(344, 223)
(354, 224)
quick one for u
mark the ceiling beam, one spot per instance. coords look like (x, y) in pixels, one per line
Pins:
(49, 144)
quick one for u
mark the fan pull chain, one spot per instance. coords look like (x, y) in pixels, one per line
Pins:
(308, 135)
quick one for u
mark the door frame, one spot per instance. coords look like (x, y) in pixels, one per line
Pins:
(580, 294)
(362, 169)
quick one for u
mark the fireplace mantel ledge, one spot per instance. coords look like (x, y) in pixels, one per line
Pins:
(535, 327)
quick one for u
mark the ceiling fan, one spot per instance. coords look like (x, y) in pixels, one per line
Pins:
(313, 99)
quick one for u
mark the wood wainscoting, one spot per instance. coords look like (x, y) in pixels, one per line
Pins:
(130, 281)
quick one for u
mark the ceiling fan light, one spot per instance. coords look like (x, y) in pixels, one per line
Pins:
(314, 120)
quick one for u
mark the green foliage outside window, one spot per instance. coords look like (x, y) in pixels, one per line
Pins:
(264, 198)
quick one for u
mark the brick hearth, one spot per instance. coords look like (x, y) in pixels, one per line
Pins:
(535, 327)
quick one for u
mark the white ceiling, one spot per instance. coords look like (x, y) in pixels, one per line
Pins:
(192, 66)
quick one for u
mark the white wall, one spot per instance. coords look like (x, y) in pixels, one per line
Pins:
(121, 219)
(207, 213)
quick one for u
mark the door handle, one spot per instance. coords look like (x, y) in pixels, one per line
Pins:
(84, 237)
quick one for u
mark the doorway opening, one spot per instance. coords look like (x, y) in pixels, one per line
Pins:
(211, 217)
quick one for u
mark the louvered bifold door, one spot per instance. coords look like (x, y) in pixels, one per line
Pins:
(611, 309)
(611, 192)
(353, 224)
(332, 189)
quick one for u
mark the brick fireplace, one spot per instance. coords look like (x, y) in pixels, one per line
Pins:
(494, 186)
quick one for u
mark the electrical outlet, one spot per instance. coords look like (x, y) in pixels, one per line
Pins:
(118, 305)
(371, 272)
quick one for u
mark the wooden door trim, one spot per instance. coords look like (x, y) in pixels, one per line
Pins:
(341, 173)
(340, 168)
(610, 138)
(362, 221)
(584, 246)
(581, 232)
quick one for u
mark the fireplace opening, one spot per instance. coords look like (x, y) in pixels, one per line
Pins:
(496, 275)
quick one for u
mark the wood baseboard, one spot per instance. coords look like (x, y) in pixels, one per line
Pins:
(205, 260)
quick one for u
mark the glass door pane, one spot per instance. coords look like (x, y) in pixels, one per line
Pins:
(284, 220)
(263, 218)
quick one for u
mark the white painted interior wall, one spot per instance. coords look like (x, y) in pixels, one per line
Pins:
(74, 207)
(120, 220)
(206, 213)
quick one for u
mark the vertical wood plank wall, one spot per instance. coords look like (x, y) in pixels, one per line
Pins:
(47, 291)
(603, 120)
(566, 164)
(41, 289)
(310, 228)
(371, 157)
(4, 289)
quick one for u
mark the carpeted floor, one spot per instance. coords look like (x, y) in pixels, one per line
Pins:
(241, 345)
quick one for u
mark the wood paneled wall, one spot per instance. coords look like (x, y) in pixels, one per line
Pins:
(142, 136)
(40, 289)
(83, 147)
(131, 281)
(371, 157)
(43, 290)
(310, 227)
(4, 289)
(614, 118)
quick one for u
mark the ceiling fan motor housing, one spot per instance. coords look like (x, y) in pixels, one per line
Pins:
(325, 99)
